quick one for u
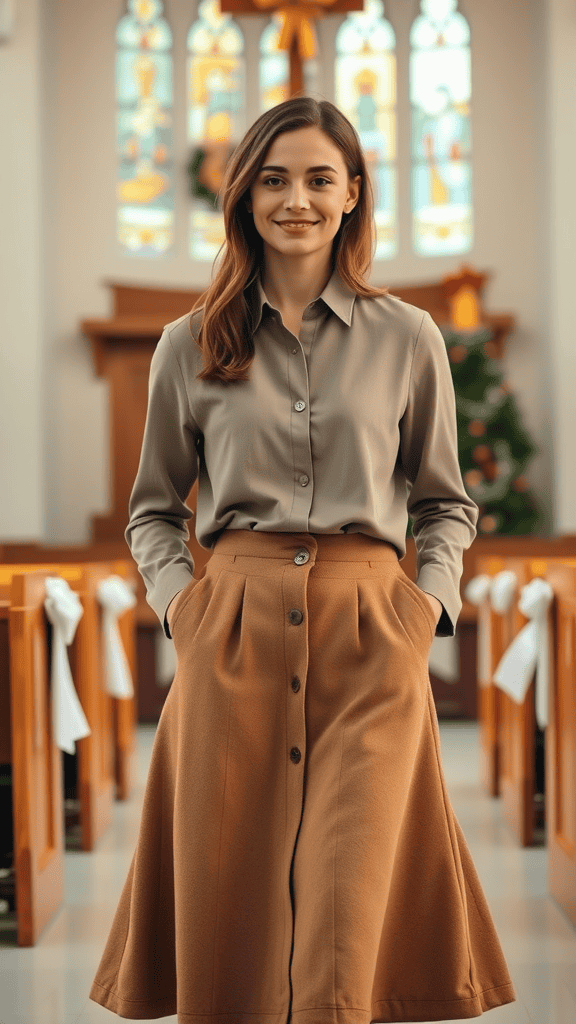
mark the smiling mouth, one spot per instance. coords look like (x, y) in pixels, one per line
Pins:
(299, 225)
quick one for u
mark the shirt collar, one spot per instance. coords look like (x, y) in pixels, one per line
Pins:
(337, 295)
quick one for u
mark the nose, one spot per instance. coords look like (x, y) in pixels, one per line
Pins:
(296, 199)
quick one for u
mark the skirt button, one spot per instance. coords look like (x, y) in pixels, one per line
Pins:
(295, 755)
(302, 556)
(295, 616)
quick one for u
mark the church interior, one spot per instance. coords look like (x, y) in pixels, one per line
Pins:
(118, 120)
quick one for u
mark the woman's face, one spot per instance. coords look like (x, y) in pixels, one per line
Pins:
(287, 188)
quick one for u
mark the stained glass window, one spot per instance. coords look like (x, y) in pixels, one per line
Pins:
(365, 81)
(275, 68)
(145, 185)
(216, 119)
(440, 90)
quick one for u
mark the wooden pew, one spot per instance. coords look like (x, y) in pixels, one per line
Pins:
(526, 753)
(26, 742)
(150, 696)
(105, 760)
(35, 759)
(561, 739)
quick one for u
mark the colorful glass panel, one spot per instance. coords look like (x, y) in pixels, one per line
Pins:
(145, 186)
(440, 92)
(216, 119)
(365, 79)
(274, 67)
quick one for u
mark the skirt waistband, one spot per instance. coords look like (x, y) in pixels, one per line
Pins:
(336, 547)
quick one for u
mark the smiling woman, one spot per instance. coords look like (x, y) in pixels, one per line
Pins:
(308, 210)
(300, 160)
(298, 858)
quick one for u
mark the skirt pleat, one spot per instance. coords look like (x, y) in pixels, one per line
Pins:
(298, 858)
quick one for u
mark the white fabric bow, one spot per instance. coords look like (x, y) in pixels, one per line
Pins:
(64, 610)
(115, 595)
(504, 585)
(530, 650)
(476, 591)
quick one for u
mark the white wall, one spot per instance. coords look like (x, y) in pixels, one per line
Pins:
(558, 336)
(57, 109)
(23, 305)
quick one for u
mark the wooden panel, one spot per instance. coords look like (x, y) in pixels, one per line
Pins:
(561, 742)
(36, 763)
(95, 753)
(488, 694)
(128, 374)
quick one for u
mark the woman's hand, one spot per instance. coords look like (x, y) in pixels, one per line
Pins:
(437, 605)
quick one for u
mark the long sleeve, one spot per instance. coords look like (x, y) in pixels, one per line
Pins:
(444, 516)
(157, 529)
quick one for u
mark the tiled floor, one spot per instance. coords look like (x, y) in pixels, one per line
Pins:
(49, 983)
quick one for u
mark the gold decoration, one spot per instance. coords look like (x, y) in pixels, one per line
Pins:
(297, 21)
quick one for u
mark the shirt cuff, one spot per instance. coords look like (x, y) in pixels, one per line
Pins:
(177, 578)
(433, 580)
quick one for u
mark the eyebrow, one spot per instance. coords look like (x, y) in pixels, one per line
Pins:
(320, 167)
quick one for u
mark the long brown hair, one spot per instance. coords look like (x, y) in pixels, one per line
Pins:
(225, 336)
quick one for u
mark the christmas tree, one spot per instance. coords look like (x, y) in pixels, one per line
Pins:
(493, 446)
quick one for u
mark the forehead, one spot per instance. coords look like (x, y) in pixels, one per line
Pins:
(302, 148)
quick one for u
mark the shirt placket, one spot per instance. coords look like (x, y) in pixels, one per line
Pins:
(299, 386)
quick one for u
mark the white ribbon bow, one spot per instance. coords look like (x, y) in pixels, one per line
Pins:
(504, 585)
(64, 610)
(476, 591)
(115, 596)
(530, 650)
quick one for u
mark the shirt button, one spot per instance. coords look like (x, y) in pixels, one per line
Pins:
(294, 351)
(303, 480)
(302, 556)
(299, 406)
(295, 616)
(295, 684)
(295, 755)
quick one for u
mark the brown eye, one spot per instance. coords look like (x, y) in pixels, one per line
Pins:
(273, 177)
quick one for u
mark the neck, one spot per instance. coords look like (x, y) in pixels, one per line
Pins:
(293, 287)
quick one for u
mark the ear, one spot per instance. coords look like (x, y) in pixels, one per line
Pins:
(354, 193)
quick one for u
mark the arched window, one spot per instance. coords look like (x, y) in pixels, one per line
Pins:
(440, 90)
(365, 90)
(216, 119)
(437, 77)
(145, 186)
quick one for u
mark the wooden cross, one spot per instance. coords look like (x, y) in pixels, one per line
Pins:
(297, 34)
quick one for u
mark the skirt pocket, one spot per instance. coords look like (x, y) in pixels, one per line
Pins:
(197, 607)
(421, 600)
(182, 600)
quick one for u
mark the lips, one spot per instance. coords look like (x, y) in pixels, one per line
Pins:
(295, 223)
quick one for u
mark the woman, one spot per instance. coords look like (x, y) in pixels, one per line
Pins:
(298, 856)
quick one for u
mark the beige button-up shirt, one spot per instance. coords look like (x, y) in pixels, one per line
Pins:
(346, 429)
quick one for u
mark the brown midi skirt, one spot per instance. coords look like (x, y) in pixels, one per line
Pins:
(298, 858)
